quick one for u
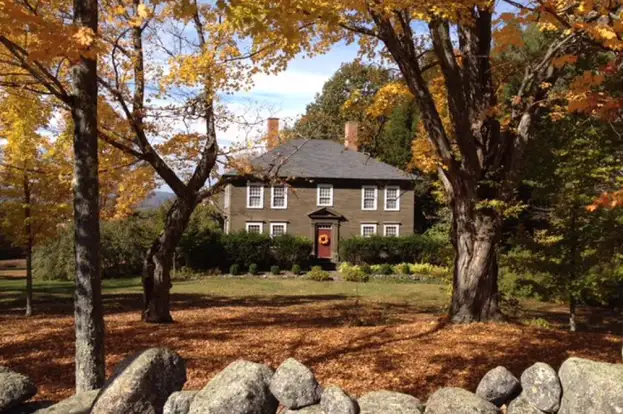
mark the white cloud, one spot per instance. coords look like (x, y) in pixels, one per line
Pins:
(291, 84)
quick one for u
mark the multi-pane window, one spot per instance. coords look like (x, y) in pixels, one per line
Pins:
(368, 230)
(325, 195)
(278, 229)
(279, 197)
(392, 198)
(254, 227)
(255, 196)
(391, 230)
(369, 195)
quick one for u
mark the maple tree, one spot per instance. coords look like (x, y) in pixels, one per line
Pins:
(50, 48)
(162, 68)
(35, 191)
(173, 129)
(481, 144)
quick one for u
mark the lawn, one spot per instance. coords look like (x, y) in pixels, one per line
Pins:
(359, 336)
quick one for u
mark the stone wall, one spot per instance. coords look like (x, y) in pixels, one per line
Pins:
(151, 382)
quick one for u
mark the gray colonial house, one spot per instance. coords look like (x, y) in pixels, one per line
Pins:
(319, 189)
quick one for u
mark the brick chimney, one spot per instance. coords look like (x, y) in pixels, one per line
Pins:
(272, 133)
(351, 138)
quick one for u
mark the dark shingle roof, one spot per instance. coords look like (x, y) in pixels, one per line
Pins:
(318, 158)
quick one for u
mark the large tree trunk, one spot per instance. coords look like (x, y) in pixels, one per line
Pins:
(88, 296)
(476, 233)
(159, 260)
(29, 243)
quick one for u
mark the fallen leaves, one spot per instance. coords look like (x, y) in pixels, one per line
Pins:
(363, 347)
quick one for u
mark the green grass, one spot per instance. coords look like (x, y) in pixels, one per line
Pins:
(424, 295)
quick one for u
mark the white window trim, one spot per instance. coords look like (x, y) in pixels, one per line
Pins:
(254, 223)
(272, 197)
(369, 225)
(279, 223)
(261, 206)
(227, 201)
(397, 188)
(397, 226)
(376, 197)
(330, 186)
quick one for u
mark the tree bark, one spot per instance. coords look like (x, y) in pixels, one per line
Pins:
(29, 244)
(89, 321)
(159, 260)
(476, 233)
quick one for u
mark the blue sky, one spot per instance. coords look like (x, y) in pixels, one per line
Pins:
(286, 94)
(290, 91)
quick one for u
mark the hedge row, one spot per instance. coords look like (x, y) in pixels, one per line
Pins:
(408, 249)
(124, 244)
(216, 250)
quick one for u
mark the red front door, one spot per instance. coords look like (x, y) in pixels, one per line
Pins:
(324, 241)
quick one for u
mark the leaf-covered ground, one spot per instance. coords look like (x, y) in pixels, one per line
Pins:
(360, 340)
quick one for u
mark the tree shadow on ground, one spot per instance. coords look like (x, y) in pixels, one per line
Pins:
(357, 344)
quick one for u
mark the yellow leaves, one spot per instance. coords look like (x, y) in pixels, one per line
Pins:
(31, 165)
(423, 155)
(142, 11)
(84, 37)
(117, 10)
(387, 98)
(545, 238)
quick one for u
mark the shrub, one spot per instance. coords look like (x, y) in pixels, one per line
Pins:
(55, 260)
(253, 269)
(538, 322)
(234, 269)
(392, 250)
(288, 250)
(402, 269)
(386, 269)
(318, 274)
(246, 248)
(366, 269)
(124, 243)
(202, 248)
(427, 269)
(275, 270)
(352, 273)
(185, 273)
(123, 247)
(296, 269)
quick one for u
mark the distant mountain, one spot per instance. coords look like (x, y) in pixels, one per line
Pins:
(156, 200)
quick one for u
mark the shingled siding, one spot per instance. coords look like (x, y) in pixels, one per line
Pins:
(302, 200)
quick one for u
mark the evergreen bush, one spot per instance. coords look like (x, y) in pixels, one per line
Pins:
(234, 269)
(393, 250)
(246, 248)
(289, 250)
